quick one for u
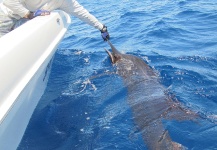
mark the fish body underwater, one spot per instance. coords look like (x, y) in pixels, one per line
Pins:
(149, 101)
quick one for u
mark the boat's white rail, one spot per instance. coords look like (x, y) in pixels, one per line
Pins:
(22, 52)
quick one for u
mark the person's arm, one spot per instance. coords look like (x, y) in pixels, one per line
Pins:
(75, 9)
(17, 7)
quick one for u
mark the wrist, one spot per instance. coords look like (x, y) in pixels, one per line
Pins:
(104, 29)
(29, 15)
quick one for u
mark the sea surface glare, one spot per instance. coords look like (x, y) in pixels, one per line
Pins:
(84, 106)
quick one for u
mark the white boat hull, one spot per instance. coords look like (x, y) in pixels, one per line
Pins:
(25, 60)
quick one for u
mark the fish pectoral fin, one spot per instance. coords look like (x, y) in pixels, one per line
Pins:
(110, 55)
(179, 113)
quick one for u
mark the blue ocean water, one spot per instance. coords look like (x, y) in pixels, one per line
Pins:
(84, 105)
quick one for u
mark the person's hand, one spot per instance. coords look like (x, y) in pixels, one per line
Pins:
(104, 33)
(38, 13)
(41, 13)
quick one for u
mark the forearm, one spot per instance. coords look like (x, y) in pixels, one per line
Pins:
(17, 7)
(80, 12)
(91, 20)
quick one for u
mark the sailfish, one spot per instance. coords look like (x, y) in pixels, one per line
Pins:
(149, 101)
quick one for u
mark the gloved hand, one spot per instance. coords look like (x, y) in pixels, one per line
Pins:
(41, 13)
(38, 13)
(104, 33)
